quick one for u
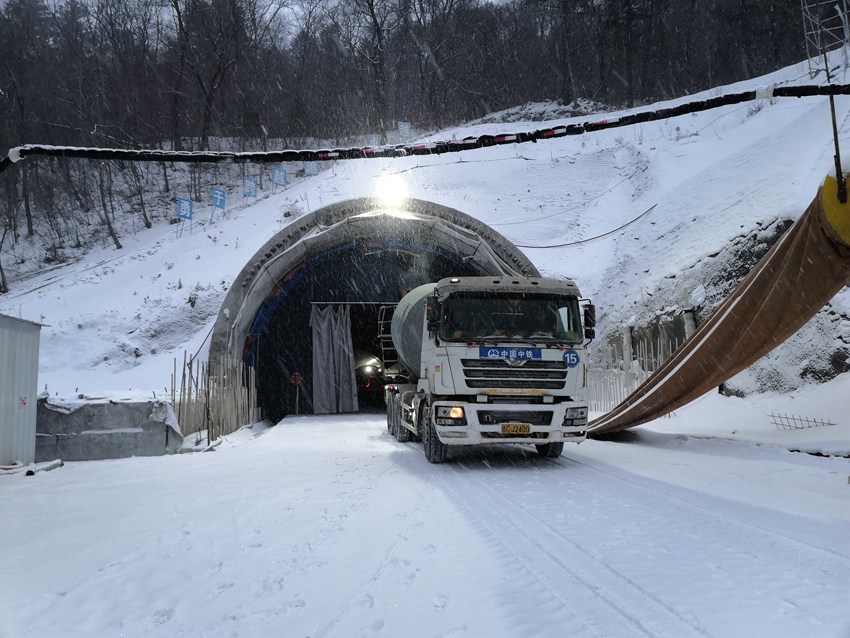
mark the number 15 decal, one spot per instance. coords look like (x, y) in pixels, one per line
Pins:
(571, 358)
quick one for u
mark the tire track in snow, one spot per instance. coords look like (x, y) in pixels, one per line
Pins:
(645, 538)
(626, 483)
(548, 607)
(608, 603)
(511, 570)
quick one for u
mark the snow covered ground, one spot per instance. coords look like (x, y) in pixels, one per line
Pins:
(326, 526)
(702, 524)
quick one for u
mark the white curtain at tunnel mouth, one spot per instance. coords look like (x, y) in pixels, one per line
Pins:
(334, 383)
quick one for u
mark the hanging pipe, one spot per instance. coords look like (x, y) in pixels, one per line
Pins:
(839, 175)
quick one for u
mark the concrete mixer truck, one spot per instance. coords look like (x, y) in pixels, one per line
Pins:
(486, 360)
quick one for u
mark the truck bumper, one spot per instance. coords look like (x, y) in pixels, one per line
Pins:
(488, 423)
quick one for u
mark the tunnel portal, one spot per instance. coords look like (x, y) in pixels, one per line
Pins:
(359, 253)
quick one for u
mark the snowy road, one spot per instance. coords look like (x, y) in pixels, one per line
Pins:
(327, 527)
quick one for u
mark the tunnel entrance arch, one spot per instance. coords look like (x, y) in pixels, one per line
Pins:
(359, 252)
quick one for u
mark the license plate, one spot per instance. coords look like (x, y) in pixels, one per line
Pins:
(516, 428)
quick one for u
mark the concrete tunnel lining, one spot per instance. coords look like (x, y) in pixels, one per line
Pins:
(418, 230)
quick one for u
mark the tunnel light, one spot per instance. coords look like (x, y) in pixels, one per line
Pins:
(391, 189)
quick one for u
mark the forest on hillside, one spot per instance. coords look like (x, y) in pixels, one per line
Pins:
(261, 74)
(177, 73)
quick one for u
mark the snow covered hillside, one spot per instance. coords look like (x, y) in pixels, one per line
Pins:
(708, 523)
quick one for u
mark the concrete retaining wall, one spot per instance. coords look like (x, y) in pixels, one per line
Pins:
(105, 430)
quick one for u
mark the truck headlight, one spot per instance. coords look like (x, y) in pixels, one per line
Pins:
(575, 416)
(449, 415)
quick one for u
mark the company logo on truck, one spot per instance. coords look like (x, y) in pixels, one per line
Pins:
(512, 354)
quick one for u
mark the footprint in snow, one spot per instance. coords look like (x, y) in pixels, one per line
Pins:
(295, 604)
(222, 587)
(162, 616)
(408, 572)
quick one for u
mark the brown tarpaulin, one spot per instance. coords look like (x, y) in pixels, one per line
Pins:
(795, 279)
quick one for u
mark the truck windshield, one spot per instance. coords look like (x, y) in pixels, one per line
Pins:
(519, 317)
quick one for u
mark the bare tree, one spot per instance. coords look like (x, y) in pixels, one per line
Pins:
(365, 26)
(4, 285)
(261, 70)
(208, 42)
(104, 178)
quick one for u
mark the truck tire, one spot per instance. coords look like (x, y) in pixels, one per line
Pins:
(435, 449)
(393, 416)
(390, 410)
(550, 450)
(402, 434)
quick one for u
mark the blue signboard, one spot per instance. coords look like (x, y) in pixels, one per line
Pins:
(250, 187)
(184, 208)
(279, 177)
(219, 198)
(311, 168)
(514, 354)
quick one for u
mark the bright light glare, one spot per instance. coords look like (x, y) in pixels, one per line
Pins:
(368, 369)
(391, 189)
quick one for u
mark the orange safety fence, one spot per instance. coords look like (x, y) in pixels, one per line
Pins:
(792, 282)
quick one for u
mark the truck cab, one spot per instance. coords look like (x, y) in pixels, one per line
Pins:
(500, 360)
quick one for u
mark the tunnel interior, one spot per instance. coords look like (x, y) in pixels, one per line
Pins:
(362, 273)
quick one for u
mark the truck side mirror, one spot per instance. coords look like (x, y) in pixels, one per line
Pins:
(589, 321)
(432, 314)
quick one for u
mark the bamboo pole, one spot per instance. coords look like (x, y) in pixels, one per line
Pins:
(218, 398)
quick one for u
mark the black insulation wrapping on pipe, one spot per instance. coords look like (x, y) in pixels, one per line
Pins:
(427, 148)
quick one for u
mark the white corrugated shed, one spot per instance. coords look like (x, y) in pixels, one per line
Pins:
(19, 341)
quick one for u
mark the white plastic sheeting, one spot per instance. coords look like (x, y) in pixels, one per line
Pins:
(334, 383)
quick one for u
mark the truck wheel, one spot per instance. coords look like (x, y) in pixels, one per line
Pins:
(550, 450)
(390, 410)
(402, 434)
(393, 417)
(435, 449)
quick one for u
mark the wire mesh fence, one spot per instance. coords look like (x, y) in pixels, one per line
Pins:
(786, 422)
(613, 378)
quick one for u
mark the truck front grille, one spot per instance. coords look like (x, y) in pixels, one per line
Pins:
(498, 373)
(503, 416)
